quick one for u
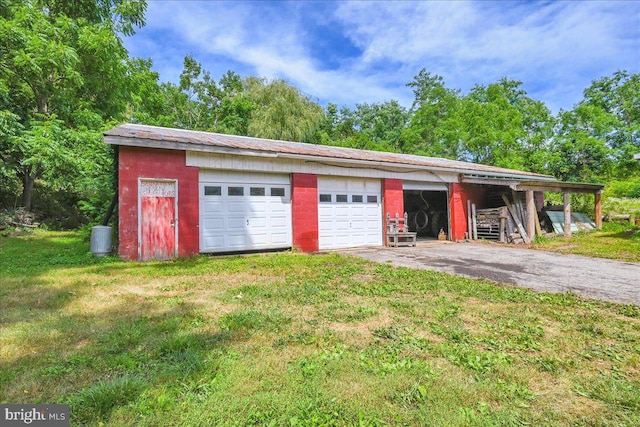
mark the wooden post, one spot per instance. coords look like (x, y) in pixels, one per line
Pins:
(567, 214)
(473, 221)
(531, 214)
(598, 203)
(469, 228)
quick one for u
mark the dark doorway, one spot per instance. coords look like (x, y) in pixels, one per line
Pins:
(427, 211)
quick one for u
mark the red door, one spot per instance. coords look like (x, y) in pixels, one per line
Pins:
(158, 222)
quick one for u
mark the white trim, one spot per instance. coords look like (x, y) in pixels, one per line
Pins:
(425, 186)
(177, 219)
(287, 166)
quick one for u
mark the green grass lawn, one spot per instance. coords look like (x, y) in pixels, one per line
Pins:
(290, 339)
(614, 241)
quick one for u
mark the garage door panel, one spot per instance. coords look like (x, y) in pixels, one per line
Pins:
(238, 211)
(259, 207)
(236, 241)
(214, 241)
(341, 225)
(236, 206)
(257, 222)
(211, 207)
(279, 222)
(259, 239)
(359, 226)
(279, 238)
(349, 213)
(277, 208)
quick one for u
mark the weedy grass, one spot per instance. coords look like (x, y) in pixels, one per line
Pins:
(290, 339)
(615, 241)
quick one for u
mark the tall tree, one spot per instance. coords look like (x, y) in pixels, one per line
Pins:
(435, 128)
(596, 140)
(60, 63)
(504, 127)
(282, 111)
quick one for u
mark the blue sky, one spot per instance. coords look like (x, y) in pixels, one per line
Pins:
(364, 52)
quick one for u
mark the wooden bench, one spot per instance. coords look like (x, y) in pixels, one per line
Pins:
(398, 233)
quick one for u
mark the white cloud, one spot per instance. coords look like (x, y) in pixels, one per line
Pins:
(555, 48)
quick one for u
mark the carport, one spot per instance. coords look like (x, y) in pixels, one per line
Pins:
(490, 192)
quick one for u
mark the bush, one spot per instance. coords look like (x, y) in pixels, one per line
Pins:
(623, 189)
(621, 206)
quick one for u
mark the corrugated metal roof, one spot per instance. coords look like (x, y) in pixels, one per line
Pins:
(201, 140)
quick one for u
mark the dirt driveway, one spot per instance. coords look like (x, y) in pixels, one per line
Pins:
(607, 280)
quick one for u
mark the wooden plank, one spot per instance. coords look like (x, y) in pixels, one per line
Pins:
(473, 221)
(537, 219)
(514, 215)
(503, 229)
(469, 233)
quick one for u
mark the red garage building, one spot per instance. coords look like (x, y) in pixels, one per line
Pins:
(185, 192)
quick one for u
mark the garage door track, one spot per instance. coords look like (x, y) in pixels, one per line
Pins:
(607, 280)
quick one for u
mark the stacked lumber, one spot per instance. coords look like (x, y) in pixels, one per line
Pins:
(491, 223)
(518, 216)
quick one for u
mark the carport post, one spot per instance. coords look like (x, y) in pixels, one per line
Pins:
(531, 215)
(598, 203)
(567, 214)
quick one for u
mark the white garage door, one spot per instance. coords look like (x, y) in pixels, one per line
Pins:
(243, 211)
(349, 212)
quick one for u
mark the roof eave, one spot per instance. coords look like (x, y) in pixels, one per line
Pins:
(174, 145)
(560, 187)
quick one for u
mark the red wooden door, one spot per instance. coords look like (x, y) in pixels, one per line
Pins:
(158, 225)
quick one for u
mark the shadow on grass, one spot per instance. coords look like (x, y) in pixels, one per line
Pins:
(97, 362)
(630, 234)
(41, 252)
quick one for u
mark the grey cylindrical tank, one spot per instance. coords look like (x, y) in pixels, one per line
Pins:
(101, 240)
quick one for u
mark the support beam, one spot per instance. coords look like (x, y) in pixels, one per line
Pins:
(531, 214)
(598, 203)
(567, 214)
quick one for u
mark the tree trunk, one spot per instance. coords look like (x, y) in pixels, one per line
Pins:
(27, 190)
(43, 107)
(29, 176)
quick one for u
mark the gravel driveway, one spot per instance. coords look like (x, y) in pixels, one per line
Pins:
(602, 279)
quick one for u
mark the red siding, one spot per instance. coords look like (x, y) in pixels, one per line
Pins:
(137, 163)
(460, 193)
(392, 201)
(304, 211)
(458, 211)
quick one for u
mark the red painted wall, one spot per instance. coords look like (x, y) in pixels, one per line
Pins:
(459, 194)
(304, 211)
(457, 211)
(392, 201)
(137, 163)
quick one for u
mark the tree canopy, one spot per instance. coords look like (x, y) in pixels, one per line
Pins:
(63, 73)
(65, 77)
